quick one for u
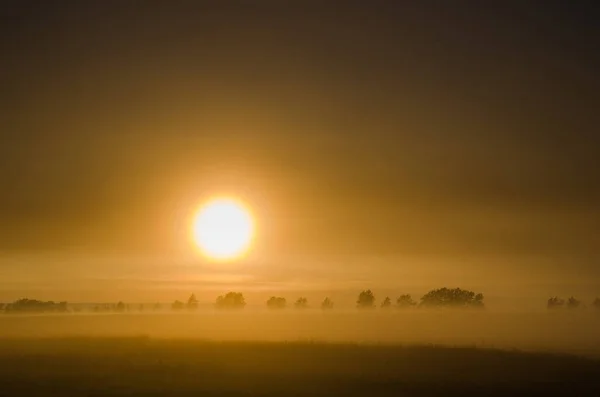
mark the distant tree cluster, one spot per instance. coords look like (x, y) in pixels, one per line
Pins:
(366, 300)
(555, 302)
(443, 297)
(35, 306)
(119, 307)
(231, 300)
(405, 301)
(327, 304)
(301, 303)
(572, 303)
(455, 297)
(192, 304)
(276, 302)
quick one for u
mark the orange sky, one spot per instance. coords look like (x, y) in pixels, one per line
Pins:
(389, 144)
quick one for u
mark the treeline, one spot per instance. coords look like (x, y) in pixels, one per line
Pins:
(442, 297)
(34, 306)
(572, 303)
(121, 307)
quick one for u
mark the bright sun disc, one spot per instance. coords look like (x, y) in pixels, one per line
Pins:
(223, 229)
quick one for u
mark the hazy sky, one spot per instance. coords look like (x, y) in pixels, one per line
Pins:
(380, 142)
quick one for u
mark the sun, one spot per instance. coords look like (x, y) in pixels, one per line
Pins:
(223, 229)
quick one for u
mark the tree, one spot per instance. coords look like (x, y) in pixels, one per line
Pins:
(327, 304)
(276, 302)
(231, 300)
(1, 306)
(366, 300)
(192, 303)
(405, 301)
(555, 302)
(573, 303)
(120, 307)
(177, 305)
(301, 303)
(456, 297)
(156, 306)
(596, 303)
(36, 306)
(387, 303)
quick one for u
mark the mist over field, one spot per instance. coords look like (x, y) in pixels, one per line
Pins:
(566, 332)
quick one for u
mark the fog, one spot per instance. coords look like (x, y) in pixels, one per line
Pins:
(554, 331)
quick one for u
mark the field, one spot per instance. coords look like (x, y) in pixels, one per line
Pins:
(308, 353)
(186, 367)
(569, 332)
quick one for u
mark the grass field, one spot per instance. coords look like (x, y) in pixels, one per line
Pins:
(184, 367)
(560, 332)
(301, 353)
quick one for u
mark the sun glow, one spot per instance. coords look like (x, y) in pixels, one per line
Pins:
(223, 229)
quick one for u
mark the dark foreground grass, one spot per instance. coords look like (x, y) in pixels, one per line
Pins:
(181, 367)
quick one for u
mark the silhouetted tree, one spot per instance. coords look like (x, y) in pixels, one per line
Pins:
(35, 306)
(276, 302)
(573, 303)
(596, 303)
(156, 306)
(301, 303)
(1, 306)
(446, 297)
(120, 307)
(141, 307)
(177, 305)
(387, 303)
(366, 300)
(555, 302)
(192, 303)
(405, 301)
(327, 304)
(231, 300)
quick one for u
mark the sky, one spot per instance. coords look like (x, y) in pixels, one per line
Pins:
(390, 145)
